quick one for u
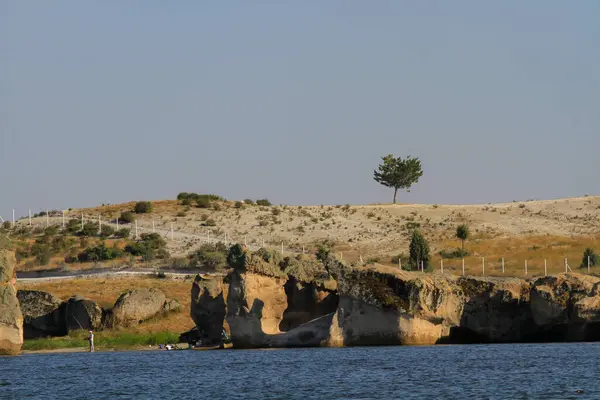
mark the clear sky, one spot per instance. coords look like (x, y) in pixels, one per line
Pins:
(112, 101)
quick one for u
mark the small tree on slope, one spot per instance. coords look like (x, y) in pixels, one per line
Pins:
(419, 250)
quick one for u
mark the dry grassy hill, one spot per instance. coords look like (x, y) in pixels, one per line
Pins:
(518, 231)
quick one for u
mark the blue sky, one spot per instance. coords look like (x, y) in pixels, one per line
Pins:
(105, 102)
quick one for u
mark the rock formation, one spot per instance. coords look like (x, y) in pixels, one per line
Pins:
(11, 319)
(82, 313)
(44, 314)
(385, 306)
(208, 308)
(136, 306)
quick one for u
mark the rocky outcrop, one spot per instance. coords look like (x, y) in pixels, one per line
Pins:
(82, 313)
(137, 306)
(305, 302)
(43, 314)
(386, 306)
(208, 308)
(11, 319)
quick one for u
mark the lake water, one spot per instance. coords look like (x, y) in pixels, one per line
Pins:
(524, 371)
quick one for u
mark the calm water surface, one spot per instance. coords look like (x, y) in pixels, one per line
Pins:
(537, 371)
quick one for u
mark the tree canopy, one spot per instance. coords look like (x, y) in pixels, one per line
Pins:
(398, 173)
(462, 233)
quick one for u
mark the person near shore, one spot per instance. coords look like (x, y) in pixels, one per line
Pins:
(91, 341)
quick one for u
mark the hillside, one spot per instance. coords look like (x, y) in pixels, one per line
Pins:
(518, 231)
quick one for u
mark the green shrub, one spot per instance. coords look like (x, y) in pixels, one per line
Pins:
(143, 207)
(211, 257)
(239, 204)
(419, 250)
(123, 233)
(127, 217)
(150, 246)
(203, 202)
(90, 229)
(249, 201)
(73, 226)
(455, 253)
(99, 253)
(43, 257)
(210, 222)
(236, 257)
(186, 202)
(183, 196)
(593, 258)
(263, 202)
(323, 251)
(6, 225)
(107, 231)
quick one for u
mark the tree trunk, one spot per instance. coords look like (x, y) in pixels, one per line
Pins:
(463, 246)
(395, 192)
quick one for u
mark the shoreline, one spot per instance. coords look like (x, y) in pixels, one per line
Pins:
(85, 350)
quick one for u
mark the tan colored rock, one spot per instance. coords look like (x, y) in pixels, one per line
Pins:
(11, 319)
(553, 297)
(136, 306)
(208, 308)
(588, 308)
(82, 313)
(43, 314)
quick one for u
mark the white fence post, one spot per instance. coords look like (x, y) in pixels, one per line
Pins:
(525, 267)
(117, 223)
(13, 224)
(81, 221)
(545, 268)
(100, 224)
(30, 217)
(502, 265)
(442, 265)
(399, 262)
(566, 266)
(63, 219)
(136, 229)
(483, 266)
(589, 262)
(47, 218)
(153, 229)
(281, 248)
(463, 266)
(422, 267)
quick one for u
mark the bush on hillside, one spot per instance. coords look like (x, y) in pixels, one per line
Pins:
(127, 217)
(419, 251)
(143, 207)
(249, 201)
(211, 257)
(589, 254)
(454, 253)
(73, 226)
(107, 231)
(123, 233)
(99, 253)
(150, 246)
(263, 202)
(90, 229)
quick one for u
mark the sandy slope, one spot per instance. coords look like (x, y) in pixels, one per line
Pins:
(371, 228)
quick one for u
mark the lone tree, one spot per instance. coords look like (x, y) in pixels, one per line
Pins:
(398, 173)
(462, 233)
(419, 250)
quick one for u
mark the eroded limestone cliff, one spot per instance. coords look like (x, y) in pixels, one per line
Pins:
(265, 307)
(11, 319)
